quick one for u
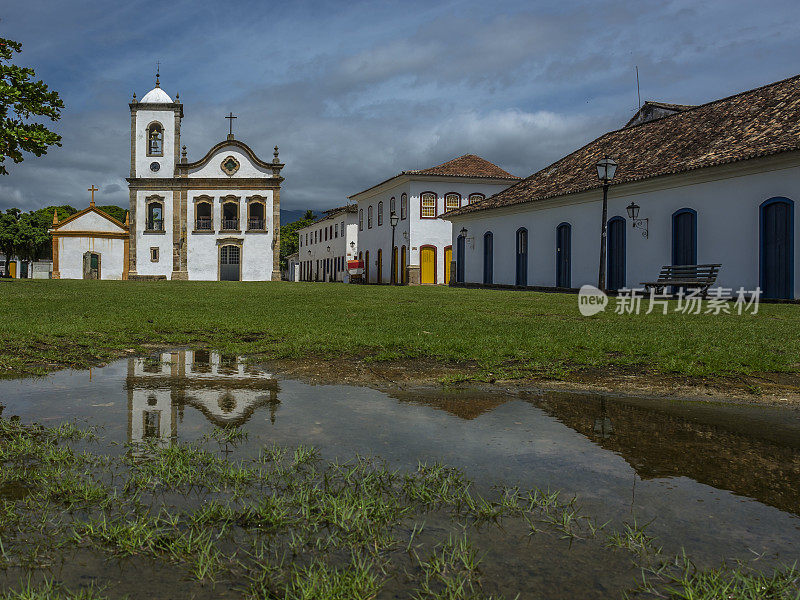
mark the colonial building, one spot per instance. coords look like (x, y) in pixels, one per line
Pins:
(715, 183)
(90, 245)
(292, 272)
(216, 218)
(325, 246)
(422, 248)
(225, 389)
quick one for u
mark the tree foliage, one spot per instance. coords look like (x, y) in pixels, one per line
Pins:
(21, 98)
(289, 235)
(112, 210)
(26, 235)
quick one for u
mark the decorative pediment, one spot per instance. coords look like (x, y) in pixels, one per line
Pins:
(88, 219)
(241, 146)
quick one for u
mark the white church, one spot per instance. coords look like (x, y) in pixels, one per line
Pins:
(216, 218)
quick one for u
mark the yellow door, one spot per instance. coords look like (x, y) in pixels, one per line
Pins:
(448, 257)
(427, 263)
(12, 269)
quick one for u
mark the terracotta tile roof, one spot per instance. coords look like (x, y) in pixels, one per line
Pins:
(651, 111)
(468, 165)
(751, 124)
(335, 212)
(670, 106)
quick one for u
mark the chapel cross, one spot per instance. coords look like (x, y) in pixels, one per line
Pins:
(93, 190)
(230, 118)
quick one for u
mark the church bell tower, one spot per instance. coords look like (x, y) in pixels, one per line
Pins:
(154, 196)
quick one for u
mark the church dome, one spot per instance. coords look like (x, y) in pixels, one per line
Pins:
(156, 96)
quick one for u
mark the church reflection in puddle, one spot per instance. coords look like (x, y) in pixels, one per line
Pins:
(224, 388)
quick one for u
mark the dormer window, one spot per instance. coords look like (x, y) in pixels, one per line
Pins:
(155, 140)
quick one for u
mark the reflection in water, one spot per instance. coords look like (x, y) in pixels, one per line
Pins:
(224, 388)
(662, 441)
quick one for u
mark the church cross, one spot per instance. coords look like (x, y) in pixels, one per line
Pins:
(230, 118)
(93, 190)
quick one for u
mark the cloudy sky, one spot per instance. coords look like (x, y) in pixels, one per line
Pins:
(354, 92)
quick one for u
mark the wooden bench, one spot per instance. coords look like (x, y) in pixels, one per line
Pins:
(695, 277)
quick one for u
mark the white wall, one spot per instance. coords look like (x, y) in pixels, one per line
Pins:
(159, 239)
(380, 236)
(339, 244)
(246, 167)
(202, 253)
(71, 250)
(167, 161)
(415, 232)
(727, 202)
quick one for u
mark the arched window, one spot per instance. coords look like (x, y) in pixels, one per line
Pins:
(564, 255)
(369, 217)
(684, 237)
(155, 214)
(522, 257)
(427, 203)
(776, 241)
(403, 206)
(230, 213)
(616, 254)
(380, 213)
(488, 258)
(473, 198)
(256, 214)
(361, 219)
(155, 140)
(452, 201)
(203, 217)
(392, 207)
(460, 259)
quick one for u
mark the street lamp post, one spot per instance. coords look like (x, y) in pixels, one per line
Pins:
(393, 220)
(606, 167)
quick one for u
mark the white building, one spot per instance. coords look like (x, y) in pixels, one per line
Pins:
(422, 247)
(16, 268)
(89, 245)
(292, 272)
(216, 218)
(225, 389)
(325, 246)
(716, 183)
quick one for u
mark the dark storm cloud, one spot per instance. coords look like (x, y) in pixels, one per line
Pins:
(355, 92)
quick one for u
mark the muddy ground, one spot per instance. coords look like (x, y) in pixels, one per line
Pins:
(775, 389)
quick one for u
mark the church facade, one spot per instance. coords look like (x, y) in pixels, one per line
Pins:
(216, 218)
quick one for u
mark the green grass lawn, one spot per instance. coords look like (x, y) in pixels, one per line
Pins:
(491, 332)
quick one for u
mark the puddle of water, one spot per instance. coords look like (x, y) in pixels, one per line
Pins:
(719, 480)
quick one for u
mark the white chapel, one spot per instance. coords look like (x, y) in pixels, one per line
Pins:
(216, 218)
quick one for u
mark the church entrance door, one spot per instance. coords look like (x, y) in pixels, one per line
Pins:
(91, 265)
(230, 258)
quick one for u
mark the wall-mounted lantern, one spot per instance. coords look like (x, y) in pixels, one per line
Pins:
(633, 215)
